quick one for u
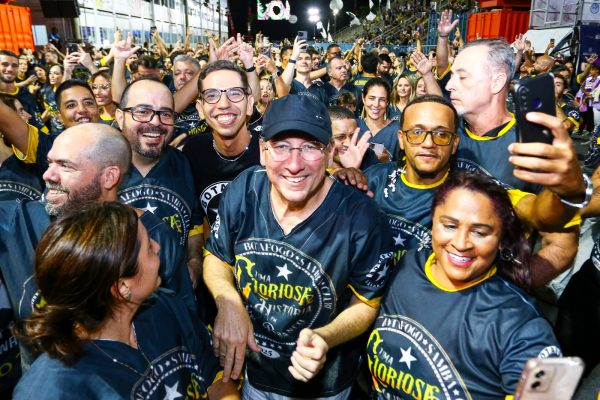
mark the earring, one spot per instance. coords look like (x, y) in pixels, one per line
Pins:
(507, 255)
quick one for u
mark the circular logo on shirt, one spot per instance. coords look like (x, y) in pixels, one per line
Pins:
(284, 290)
(594, 8)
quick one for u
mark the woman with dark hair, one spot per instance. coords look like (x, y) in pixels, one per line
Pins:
(376, 97)
(47, 94)
(457, 322)
(105, 330)
(101, 87)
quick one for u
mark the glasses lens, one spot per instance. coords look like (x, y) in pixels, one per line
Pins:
(235, 94)
(142, 114)
(211, 96)
(311, 152)
(441, 138)
(416, 136)
(167, 117)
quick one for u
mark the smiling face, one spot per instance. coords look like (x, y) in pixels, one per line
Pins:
(55, 75)
(294, 181)
(72, 180)
(8, 68)
(102, 91)
(77, 106)
(375, 102)
(466, 235)
(147, 139)
(303, 63)
(420, 88)
(225, 117)
(403, 88)
(342, 131)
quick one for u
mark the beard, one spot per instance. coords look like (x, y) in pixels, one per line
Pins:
(76, 199)
(5, 80)
(148, 151)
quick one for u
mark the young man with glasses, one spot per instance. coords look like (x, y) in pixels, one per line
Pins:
(160, 179)
(404, 190)
(310, 258)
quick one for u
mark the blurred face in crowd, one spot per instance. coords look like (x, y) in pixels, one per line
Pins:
(226, 118)
(23, 65)
(144, 72)
(333, 52)
(55, 75)
(559, 88)
(595, 70)
(168, 64)
(25, 116)
(316, 60)
(8, 68)
(342, 131)
(102, 91)
(470, 86)
(383, 68)
(420, 89)
(131, 58)
(267, 94)
(375, 102)
(51, 57)
(40, 73)
(571, 67)
(77, 106)
(392, 57)
(148, 139)
(403, 87)
(183, 72)
(285, 55)
(427, 160)
(337, 70)
(303, 63)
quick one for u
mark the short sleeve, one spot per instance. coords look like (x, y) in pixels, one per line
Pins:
(222, 233)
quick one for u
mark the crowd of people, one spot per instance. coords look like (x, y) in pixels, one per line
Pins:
(242, 220)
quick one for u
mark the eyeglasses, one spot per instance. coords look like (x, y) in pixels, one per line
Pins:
(418, 136)
(145, 114)
(234, 94)
(100, 87)
(308, 151)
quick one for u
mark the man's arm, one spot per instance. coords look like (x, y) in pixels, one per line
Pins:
(194, 260)
(287, 75)
(187, 94)
(122, 51)
(555, 167)
(589, 60)
(445, 27)
(556, 255)
(15, 130)
(246, 54)
(312, 345)
(233, 328)
(424, 66)
(593, 209)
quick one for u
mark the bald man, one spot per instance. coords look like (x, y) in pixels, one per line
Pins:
(86, 164)
(543, 64)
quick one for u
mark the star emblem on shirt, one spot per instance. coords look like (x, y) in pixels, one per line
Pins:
(398, 240)
(407, 358)
(172, 392)
(381, 274)
(283, 271)
(149, 208)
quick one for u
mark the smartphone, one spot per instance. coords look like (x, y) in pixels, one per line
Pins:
(534, 94)
(303, 35)
(266, 50)
(377, 147)
(72, 48)
(549, 378)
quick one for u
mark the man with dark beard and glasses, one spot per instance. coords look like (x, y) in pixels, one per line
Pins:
(86, 164)
(160, 179)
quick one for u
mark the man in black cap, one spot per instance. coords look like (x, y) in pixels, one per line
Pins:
(309, 255)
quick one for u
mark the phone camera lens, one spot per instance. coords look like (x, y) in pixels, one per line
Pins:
(536, 385)
(536, 104)
(539, 374)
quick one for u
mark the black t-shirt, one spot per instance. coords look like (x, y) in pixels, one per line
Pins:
(212, 172)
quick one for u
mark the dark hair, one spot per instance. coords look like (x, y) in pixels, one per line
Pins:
(144, 61)
(560, 68)
(514, 252)
(9, 101)
(78, 263)
(103, 73)
(312, 51)
(562, 78)
(339, 112)
(8, 53)
(431, 98)
(377, 82)
(384, 58)
(223, 65)
(68, 84)
(286, 48)
(369, 63)
(125, 95)
(331, 46)
(346, 98)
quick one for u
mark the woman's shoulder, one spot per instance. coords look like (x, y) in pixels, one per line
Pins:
(50, 378)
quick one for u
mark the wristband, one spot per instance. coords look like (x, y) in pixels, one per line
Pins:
(251, 69)
(292, 61)
(589, 190)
